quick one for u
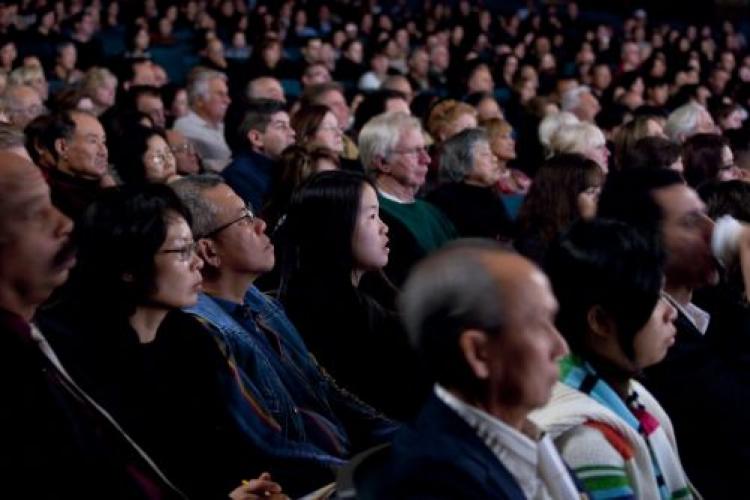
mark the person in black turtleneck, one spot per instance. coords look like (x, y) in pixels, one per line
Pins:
(469, 173)
(71, 150)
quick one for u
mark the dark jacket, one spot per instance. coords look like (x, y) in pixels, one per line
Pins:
(475, 211)
(706, 392)
(359, 342)
(250, 175)
(53, 443)
(441, 457)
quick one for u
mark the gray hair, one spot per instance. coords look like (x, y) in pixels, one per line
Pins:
(457, 154)
(447, 293)
(551, 124)
(11, 137)
(199, 81)
(190, 190)
(571, 98)
(380, 135)
(576, 138)
(683, 121)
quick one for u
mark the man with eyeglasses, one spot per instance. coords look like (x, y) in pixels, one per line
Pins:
(22, 105)
(262, 135)
(235, 250)
(392, 148)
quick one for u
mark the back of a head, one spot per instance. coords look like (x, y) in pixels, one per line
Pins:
(445, 294)
(702, 158)
(609, 264)
(627, 196)
(651, 152)
(682, 122)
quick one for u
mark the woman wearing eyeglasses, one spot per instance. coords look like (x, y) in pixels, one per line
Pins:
(316, 126)
(155, 369)
(144, 156)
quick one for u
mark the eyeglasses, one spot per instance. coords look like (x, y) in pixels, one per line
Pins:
(330, 128)
(247, 215)
(160, 157)
(184, 253)
(412, 151)
(182, 148)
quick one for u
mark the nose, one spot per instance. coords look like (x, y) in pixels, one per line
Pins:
(384, 227)
(670, 314)
(560, 346)
(64, 224)
(260, 225)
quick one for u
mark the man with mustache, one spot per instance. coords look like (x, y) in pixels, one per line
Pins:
(57, 443)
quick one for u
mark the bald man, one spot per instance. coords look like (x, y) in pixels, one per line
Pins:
(56, 442)
(483, 320)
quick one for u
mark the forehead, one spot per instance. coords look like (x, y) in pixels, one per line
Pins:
(21, 185)
(678, 200)
(224, 199)
(280, 116)
(410, 137)
(87, 124)
(177, 228)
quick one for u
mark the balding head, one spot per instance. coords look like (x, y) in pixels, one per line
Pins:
(483, 320)
(35, 238)
(22, 104)
(265, 87)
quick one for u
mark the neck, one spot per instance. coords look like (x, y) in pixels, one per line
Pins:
(617, 379)
(389, 185)
(231, 287)
(146, 321)
(512, 416)
(681, 294)
(13, 303)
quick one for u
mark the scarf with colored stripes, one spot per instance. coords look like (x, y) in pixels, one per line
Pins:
(581, 376)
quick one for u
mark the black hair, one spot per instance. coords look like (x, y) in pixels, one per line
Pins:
(628, 196)
(42, 132)
(320, 226)
(608, 264)
(651, 152)
(703, 157)
(118, 237)
(133, 144)
(374, 104)
(247, 115)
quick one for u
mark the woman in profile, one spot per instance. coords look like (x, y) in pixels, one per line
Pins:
(334, 236)
(610, 430)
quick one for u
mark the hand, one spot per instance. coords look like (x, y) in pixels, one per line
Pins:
(262, 487)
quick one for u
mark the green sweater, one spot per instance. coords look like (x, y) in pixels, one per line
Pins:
(427, 223)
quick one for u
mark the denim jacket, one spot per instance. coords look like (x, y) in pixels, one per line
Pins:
(294, 388)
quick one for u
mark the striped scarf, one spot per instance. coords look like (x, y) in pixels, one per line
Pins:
(581, 376)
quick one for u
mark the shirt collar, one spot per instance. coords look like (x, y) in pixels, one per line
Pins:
(697, 316)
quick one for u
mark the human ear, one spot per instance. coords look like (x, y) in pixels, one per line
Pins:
(207, 251)
(473, 345)
(599, 322)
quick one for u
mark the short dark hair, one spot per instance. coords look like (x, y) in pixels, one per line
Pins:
(374, 104)
(257, 116)
(727, 198)
(652, 152)
(628, 196)
(608, 264)
(44, 130)
(702, 158)
(119, 235)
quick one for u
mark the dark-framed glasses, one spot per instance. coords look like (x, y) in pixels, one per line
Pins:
(184, 253)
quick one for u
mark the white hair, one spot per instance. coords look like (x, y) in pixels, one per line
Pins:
(576, 138)
(380, 135)
(551, 124)
(571, 98)
(683, 121)
(199, 82)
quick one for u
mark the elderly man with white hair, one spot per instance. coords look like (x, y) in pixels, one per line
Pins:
(581, 102)
(584, 139)
(208, 96)
(392, 149)
(688, 120)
